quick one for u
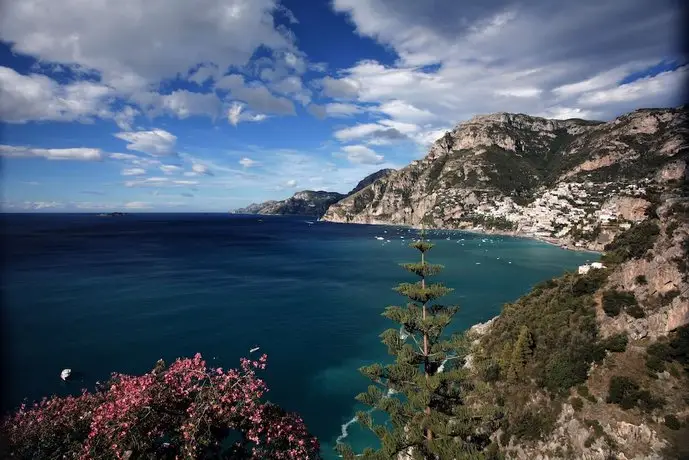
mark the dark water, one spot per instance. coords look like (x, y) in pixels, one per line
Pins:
(101, 294)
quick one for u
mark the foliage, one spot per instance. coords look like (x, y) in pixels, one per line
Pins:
(625, 392)
(632, 243)
(635, 311)
(615, 301)
(422, 391)
(675, 348)
(641, 279)
(583, 390)
(616, 343)
(668, 297)
(185, 410)
(560, 319)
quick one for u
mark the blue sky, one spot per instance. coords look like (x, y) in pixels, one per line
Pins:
(173, 106)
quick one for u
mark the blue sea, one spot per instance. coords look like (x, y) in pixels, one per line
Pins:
(102, 294)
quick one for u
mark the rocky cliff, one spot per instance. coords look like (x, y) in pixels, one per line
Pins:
(574, 182)
(605, 370)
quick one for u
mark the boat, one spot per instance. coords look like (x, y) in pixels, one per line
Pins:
(65, 374)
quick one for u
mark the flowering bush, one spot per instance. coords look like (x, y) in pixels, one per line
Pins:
(184, 411)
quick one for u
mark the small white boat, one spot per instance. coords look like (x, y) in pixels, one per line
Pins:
(254, 349)
(380, 238)
(64, 375)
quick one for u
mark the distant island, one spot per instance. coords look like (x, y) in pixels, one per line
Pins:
(112, 214)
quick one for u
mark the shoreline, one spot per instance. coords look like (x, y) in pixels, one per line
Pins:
(551, 241)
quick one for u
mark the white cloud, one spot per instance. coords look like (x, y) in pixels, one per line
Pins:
(377, 133)
(36, 97)
(339, 87)
(159, 182)
(292, 86)
(247, 162)
(291, 183)
(170, 169)
(133, 171)
(362, 155)
(125, 118)
(456, 60)
(255, 95)
(519, 92)
(156, 142)
(136, 41)
(79, 153)
(137, 205)
(334, 110)
(201, 169)
(642, 89)
(236, 114)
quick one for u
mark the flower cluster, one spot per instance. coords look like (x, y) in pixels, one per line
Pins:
(186, 410)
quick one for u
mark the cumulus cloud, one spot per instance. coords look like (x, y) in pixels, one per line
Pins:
(156, 142)
(36, 97)
(78, 154)
(501, 56)
(376, 132)
(362, 155)
(164, 40)
(291, 183)
(255, 95)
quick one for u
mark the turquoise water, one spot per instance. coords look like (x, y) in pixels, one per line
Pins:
(115, 294)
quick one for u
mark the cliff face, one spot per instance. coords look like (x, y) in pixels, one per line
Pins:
(575, 182)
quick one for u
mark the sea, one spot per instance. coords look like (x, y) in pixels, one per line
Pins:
(101, 294)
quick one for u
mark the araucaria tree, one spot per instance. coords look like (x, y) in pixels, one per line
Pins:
(422, 391)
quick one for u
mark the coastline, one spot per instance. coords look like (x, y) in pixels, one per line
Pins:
(514, 234)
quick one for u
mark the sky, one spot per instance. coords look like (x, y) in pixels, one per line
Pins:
(209, 105)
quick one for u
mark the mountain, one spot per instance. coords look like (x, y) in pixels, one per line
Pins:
(309, 203)
(574, 182)
(371, 178)
(305, 203)
(593, 364)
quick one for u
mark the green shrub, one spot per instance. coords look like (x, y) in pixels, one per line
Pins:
(529, 426)
(641, 279)
(626, 393)
(616, 343)
(670, 229)
(596, 426)
(623, 391)
(589, 441)
(655, 364)
(583, 390)
(614, 301)
(577, 404)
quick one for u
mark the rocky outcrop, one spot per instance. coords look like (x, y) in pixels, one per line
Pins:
(310, 203)
(574, 182)
(306, 203)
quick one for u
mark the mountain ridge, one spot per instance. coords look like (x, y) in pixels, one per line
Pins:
(572, 182)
